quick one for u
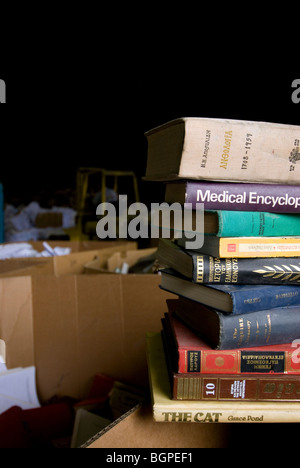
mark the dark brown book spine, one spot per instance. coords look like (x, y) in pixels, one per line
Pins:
(231, 387)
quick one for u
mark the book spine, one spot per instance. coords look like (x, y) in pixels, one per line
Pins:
(263, 247)
(259, 271)
(257, 224)
(244, 197)
(219, 413)
(264, 328)
(247, 388)
(239, 362)
(235, 151)
(254, 299)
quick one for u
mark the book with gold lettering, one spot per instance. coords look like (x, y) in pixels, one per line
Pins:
(165, 409)
(224, 150)
(249, 330)
(205, 269)
(233, 299)
(190, 354)
(226, 386)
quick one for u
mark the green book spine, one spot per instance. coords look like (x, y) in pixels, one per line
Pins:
(257, 224)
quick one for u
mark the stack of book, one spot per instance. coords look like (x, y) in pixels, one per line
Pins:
(230, 346)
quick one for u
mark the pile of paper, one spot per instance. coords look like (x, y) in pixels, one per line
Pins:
(18, 388)
(25, 250)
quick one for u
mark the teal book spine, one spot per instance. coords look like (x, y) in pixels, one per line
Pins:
(257, 224)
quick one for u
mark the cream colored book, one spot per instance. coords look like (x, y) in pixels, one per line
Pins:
(173, 411)
(224, 150)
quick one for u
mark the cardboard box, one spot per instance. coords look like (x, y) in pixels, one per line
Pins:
(71, 325)
(137, 429)
(109, 264)
(81, 252)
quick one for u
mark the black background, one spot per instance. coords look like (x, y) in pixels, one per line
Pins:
(84, 85)
(86, 99)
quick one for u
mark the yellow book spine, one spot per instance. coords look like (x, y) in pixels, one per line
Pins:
(251, 247)
(231, 413)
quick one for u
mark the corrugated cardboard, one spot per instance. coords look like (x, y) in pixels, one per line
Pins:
(138, 430)
(108, 264)
(72, 325)
(81, 253)
(131, 257)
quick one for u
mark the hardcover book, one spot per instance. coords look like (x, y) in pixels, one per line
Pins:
(220, 331)
(216, 387)
(224, 150)
(231, 299)
(165, 409)
(268, 198)
(191, 355)
(239, 224)
(204, 269)
(249, 247)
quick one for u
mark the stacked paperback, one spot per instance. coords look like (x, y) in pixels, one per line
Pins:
(229, 350)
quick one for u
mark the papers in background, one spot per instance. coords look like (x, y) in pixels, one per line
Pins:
(20, 224)
(24, 250)
(18, 388)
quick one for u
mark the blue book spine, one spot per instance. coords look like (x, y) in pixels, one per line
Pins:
(247, 299)
(264, 328)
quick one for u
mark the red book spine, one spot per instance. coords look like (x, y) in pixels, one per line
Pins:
(192, 355)
(243, 361)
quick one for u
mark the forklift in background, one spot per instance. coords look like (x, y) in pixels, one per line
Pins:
(89, 180)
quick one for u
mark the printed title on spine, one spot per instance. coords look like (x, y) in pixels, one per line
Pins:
(251, 198)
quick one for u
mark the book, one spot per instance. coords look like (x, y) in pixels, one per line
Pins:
(223, 223)
(249, 247)
(231, 299)
(224, 150)
(167, 410)
(255, 224)
(205, 269)
(220, 331)
(270, 198)
(233, 388)
(191, 355)
(216, 387)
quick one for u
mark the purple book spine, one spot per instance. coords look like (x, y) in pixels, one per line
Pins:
(244, 197)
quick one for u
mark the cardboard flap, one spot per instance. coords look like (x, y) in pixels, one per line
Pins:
(86, 324)
(130, 257)
(16, 327)
(75, 263)
(56, 335)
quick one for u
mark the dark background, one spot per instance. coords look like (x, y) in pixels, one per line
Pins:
(89, 102)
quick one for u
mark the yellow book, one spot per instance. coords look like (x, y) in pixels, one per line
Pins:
(167, 410)
(249, 247)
